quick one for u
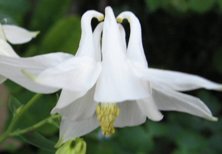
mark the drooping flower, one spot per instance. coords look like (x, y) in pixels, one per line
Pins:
(25, 70)
(126, 91)
(14, 35)
(108, 85)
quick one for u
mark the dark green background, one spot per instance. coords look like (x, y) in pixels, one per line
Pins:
(182, 35)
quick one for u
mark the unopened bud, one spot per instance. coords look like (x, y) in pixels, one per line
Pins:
(77, 146)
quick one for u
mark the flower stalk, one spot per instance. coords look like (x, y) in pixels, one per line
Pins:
(17, 117)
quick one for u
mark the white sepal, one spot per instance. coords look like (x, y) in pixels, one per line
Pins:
(18, 35)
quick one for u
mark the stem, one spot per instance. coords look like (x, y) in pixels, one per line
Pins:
(24, 109)
(19, 112)
(35, 126)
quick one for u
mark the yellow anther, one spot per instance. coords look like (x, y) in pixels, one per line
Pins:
(106, 115)
(100, 18)
(119, 20)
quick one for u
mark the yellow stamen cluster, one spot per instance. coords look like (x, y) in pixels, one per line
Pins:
(106, 115)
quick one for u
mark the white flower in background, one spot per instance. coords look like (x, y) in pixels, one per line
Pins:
(24, 71)
(126, 91)
(14, 35)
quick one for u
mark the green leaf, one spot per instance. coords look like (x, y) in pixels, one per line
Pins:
(201, 6)
(63, 36)
(39, 141)
(47, 12)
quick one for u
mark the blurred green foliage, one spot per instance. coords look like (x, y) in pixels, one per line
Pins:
(14, 12)
(63, 36)
(47, 12)
(188, 30)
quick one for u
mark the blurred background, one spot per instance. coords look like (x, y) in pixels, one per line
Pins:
(182, 35)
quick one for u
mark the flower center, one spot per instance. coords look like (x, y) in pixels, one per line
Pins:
(106, 115)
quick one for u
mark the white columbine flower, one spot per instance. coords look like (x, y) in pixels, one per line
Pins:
(108, 85)
(126, 91)
(14, 35)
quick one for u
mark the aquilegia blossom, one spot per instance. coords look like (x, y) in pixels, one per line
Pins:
(126, 91)
(108, 83)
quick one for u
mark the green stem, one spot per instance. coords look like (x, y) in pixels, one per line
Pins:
(19, 112)
(35, 126)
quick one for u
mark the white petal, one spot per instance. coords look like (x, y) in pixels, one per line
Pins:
(149, 108)
(181, 81)
(117, 82)
(87, 47)
(135, 51)
(6, 49)
(81, 107)
(130, 115)
(170, 100)
(75, 74)
(71, 129)
(123, 35)
(14, 68)
(18, 35)
(97, 40)
(65, 99)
